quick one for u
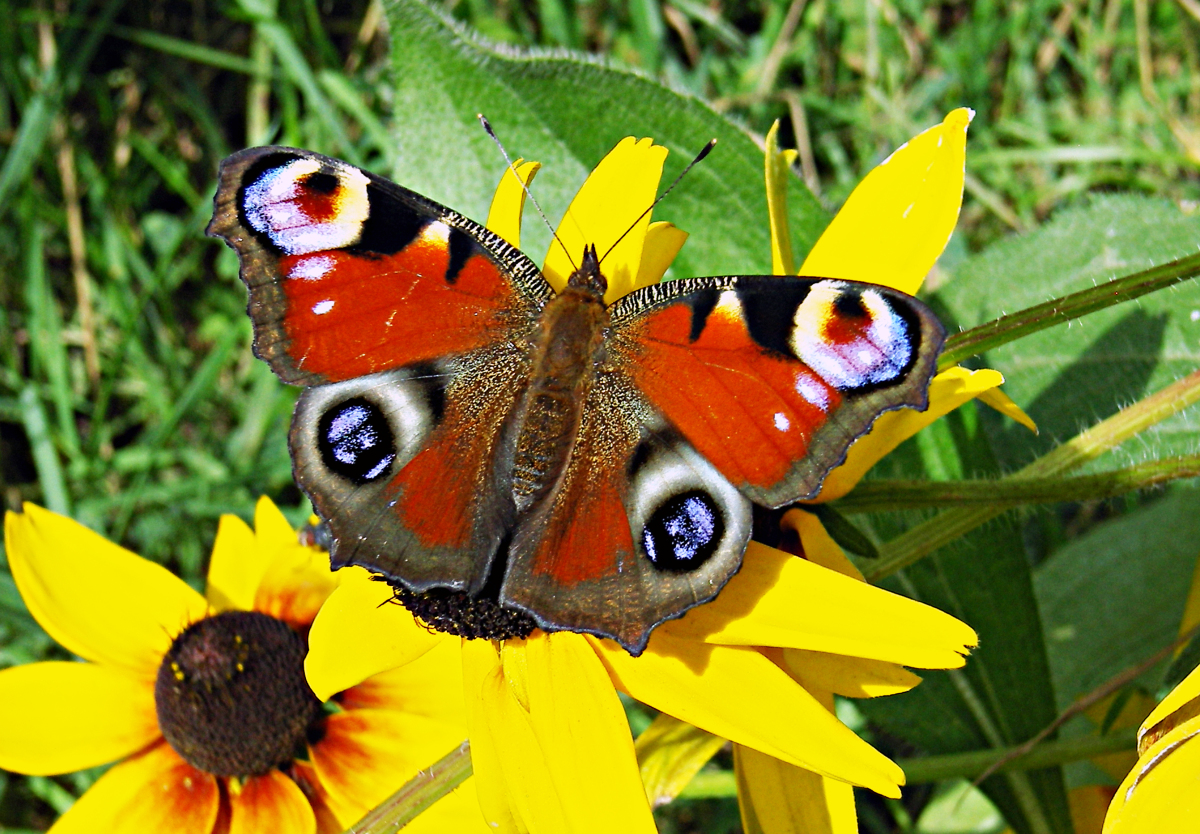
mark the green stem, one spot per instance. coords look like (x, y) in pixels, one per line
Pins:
(947, 526)
(887, 495)
(420, 792)
(1005, 329)
(712, 784)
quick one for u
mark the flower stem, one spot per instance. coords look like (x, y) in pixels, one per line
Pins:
(947, 526)
(886, 495)
(1016, 325)
(424, 789)
(716, 784)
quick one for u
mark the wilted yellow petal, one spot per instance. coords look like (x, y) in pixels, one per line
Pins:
(779, 600)
(360, 632)
(778, 172)
(97, 599)
(61, 717)
(504, 218)
(270, 802)
(619, 189)
(1182, 704)
(899, 218)
(850, 677)
(185, 800)
(997, 399)
(663, 242)
(235, 567)
(670, 754)
(1159, 794)
(1088, 805)
(947, 391)
(710, 686)
(778, 798)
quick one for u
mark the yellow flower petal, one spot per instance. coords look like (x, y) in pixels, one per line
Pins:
(1159, 794)
(663, 242)
(777, 599)
(997, 399)
(497, 743)
(156, 791)
(61, 717)
(430, 686)
(295, 585)
(583, 733)
(947, 391)
(778, 172)
(670, 754)
(269, 803)
(97, 599)
(366, 754)
(851, 677)
(504, 218)
(709, 686)
(780, 798)
(817, 545)
(619, 189)
(897, 221)
(1184, 699)
(236, 566)
(360, 632)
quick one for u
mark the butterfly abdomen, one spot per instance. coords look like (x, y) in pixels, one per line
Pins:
(570, 346)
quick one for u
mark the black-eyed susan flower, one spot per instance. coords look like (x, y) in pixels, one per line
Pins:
(202, 700)
(550, 745)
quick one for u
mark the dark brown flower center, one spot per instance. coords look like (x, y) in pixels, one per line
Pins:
(231, 695)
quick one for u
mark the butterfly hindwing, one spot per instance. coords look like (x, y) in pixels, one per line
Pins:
(640, 529)
(350, 274)
(772, 378)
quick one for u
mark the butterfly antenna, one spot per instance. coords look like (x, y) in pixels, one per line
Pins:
(487, 126)
(712, 143)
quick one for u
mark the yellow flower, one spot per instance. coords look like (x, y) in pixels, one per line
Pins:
(1160, 794)
(550, 745)
(204, 699)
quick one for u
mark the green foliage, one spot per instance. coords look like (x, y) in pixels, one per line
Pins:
(128, 396)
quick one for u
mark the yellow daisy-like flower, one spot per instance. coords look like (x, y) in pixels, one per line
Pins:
(204, 700)
(1160, 793)
(550, 744)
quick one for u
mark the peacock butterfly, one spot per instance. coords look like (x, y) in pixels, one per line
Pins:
(508, 457)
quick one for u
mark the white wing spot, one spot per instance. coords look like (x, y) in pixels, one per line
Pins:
(322, 307)
(782, 422)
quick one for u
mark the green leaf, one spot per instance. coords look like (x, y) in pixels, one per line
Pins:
(1003, 696)
(566, 111)
(1113, 597)
(1070, 375)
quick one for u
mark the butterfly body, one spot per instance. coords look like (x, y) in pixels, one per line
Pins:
(465, 430)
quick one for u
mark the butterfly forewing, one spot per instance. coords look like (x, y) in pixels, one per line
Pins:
(350, 274)
(772, 378)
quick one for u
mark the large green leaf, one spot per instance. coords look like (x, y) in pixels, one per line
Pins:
(566, 111)
(1113, 597)
(1004, 695)
(1068, 377)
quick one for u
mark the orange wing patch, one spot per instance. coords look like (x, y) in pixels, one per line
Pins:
(752, 413)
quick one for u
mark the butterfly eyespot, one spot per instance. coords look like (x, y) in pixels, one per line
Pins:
(356, 441)
(684, 532)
